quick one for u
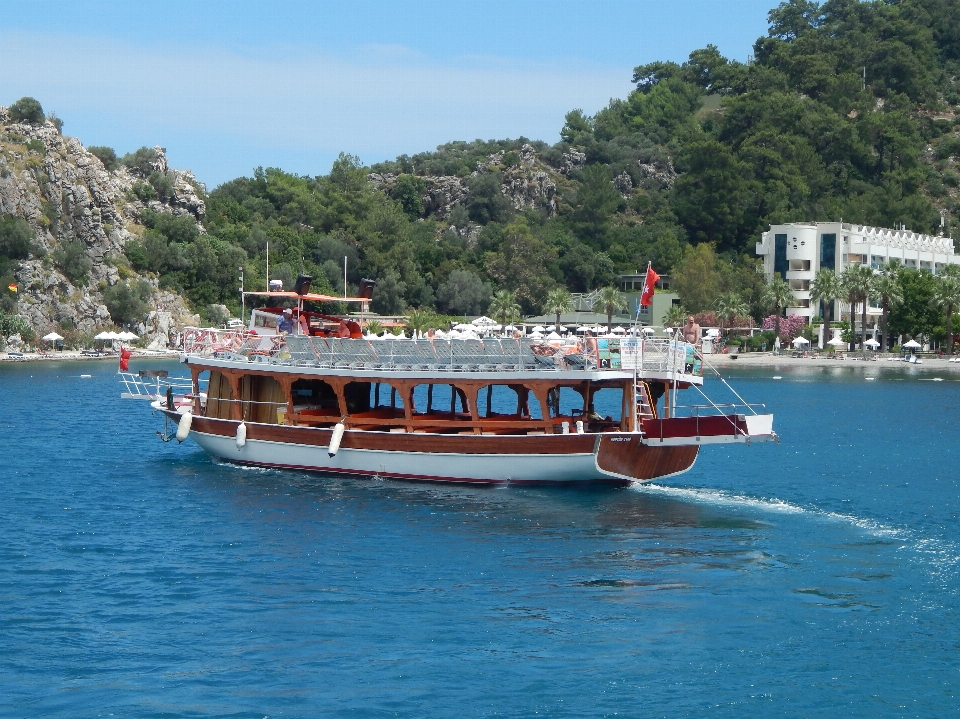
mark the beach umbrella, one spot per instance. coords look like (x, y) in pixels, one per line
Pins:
(836, 342)
(582, 328)
(553, 336)
(912, 344)
(536, 335)
(103, 336)
(538, 328)
(872, 343)
(618, 330)
(52, 337)
(126, 336)
(483, 321)
(561, 328)
(797, 341)
(509, 328)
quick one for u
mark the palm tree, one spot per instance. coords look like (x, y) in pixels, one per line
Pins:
(826, 288)
(886, 288)
(729, 306)
(374, 327)
(504, 305)
(421, 321)
(778, 295)
(558, 301)
(611, 300)
(675, 316)
(857, 283)
(946, 296)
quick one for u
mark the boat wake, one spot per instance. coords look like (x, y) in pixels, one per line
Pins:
(942, 554)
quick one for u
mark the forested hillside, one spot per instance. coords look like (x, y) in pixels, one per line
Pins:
(847, 109)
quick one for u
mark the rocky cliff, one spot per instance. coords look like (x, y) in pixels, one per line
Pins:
(529, 183)
(66, 194)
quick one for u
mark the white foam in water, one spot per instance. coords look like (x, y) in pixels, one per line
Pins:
(943, 555)
(720, 498)
(776, 376)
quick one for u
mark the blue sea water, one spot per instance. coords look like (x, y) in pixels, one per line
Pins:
(817, 577)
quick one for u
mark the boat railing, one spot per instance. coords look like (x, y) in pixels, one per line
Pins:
(154, 384)
(506, 354)
(715, 410)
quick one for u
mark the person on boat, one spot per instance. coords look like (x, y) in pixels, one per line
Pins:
(691, 331)
(343, 330)
(304, 322)
(285, 323)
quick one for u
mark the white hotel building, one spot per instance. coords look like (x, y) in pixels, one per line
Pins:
(798, 250)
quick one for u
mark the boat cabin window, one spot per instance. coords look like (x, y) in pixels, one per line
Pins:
(357, 396)
(607, 404)
(313, 394)
(262, 399)
(219, 395)
(435, 399)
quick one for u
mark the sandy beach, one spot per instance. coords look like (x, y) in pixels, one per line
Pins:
(77, 356)
(768, 359)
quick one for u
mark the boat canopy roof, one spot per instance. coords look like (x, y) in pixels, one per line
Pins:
(309, 296)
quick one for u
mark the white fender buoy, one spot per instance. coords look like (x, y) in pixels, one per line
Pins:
(335, 439)
(241, 435)
(564, 428)
(183, 426)
(579, 426)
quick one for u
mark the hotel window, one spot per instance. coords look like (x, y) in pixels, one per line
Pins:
(780, 263)
(828, 251)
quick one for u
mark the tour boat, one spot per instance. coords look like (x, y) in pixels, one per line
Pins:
(496, 410)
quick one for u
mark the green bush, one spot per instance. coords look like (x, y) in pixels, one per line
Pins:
(141, 160)
(26, 109)
(106, 155)
(73, 262)
(14, 324)
(37, 146)
(127, 303)
(144, 191)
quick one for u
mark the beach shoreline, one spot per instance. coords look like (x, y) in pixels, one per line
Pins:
(77, 356)
(769, 360)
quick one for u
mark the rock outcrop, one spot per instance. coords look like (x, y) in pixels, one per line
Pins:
(528, 184)
(67, 195)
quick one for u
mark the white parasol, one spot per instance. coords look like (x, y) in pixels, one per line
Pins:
(52, 337)
(538, 328)
(797, 341)
(553, 336)
(912, 344)
(872, 343)
(618, 330)
(836, 342)
(126, 336)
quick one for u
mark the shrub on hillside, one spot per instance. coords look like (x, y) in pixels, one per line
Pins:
(73, 262)
(126, 302)
(106, 155)
(26, 109)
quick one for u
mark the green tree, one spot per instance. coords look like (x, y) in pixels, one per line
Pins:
(141, 160)
(826, 288)
(857, 283)
(946, 296)
(421, 321)
(696, 279)
(610, 299)
(916, 315)
(106, 155)
(504, 306)
(408, 192)
(464, 293)
(26, 109)
(558, 301)
(127, 302)
(886, 288)
(675, 316)
(521, 264)
(597, 199)
(71, 258)
(729, 306)
(778, 296)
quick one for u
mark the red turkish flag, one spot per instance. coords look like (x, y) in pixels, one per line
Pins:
(646, 297)
(125, 355)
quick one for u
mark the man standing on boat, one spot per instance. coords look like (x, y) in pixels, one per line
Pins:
(691, 331)
(285, 323)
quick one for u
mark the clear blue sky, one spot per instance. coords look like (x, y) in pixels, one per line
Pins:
(227, 86)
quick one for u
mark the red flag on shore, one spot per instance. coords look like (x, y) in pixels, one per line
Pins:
(12, 287)
(646, 297)
(125, 355)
